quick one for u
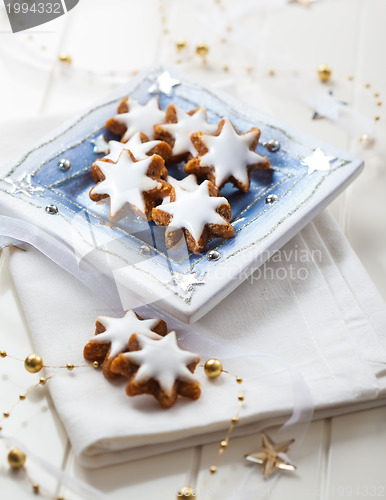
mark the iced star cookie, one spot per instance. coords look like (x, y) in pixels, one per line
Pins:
(140, 147)
(137, 184)
(112, 337)
(227, 156)
(160, 368)
(201, 215)
(132, 117)
(179, 127)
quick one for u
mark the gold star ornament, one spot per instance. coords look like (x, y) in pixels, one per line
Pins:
(272, 456)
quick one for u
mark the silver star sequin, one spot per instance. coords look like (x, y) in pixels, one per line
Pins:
(318, 161)
(185, 281)
(272, 456)
(23, 185)
(164, 84)
(100, 145)
(328, 107)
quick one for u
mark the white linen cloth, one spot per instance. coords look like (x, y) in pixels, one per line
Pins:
(325, 318)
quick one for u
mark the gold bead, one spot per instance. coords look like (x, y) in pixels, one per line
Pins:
(95, 364)
(213, 368)
(65, 58)
(239, 380)
(249, 69)
(60, 498)
(69, 366)
(16, 458)
(36, 489)
(324, 73)
(376, 94)
(225, 67)
(6, 414)
(202, 49)
(367, 141)
(33, 363)
(3, 354)
(379, 103)
(367, 85)
(271, 72)
(181, 44)
(42, 381)
(186, 492)
(213, 469)
(350, 78)
(377, 118)
(1, 428)
(22, 397)
(224, 444)
(235, 420)
(240, 397)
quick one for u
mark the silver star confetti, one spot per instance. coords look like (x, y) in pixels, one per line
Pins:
(164, 84)
(328, 107)
(23, 185)
(185, 281)
(10, 242)
(318, 161)
(272, 456)
(100, 145)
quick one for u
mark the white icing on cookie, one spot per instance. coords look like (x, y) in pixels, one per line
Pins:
(125, 182)
(140, 118)
(189, 183)
(137, 148)
(185, 127)
(119, 330)
(229, 154)
(163, 361)
(192, 210)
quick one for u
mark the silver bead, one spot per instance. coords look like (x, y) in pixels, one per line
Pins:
(213, 255)
(273, 145)
(52, 209)
(64, 165)
(271, 199)
(144, 250)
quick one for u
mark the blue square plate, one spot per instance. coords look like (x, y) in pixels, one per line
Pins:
(306, 175)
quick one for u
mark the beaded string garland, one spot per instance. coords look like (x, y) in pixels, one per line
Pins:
(34, 364)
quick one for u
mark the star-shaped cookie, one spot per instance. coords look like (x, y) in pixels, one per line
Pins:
(133, 117)
(227, 156)
(158, 367)
(137, 184)
(140, 147)
(201, 214)
(112, 337)
(179, 127)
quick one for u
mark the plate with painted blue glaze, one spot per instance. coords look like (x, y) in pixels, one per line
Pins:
(305, 176)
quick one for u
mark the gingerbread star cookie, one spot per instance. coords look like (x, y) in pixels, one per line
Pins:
(137, 184)
(112, 337)
(133, 117)
(140, 147)
(179, 127)
(227, 156)
(158, 367)
(201, 214)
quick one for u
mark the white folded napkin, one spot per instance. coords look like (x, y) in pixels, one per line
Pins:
(312, 305)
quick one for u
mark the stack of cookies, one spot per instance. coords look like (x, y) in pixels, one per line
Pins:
(134, 175)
